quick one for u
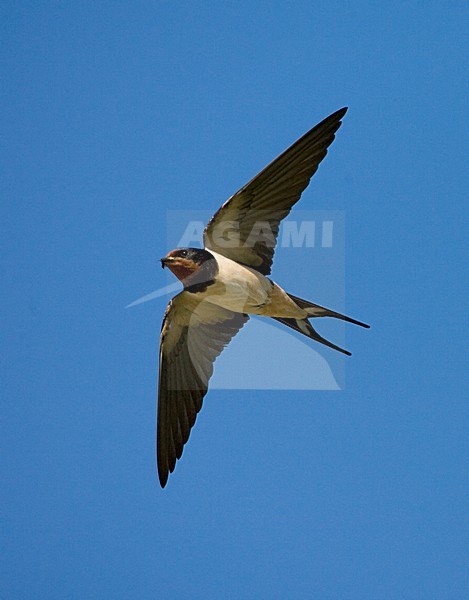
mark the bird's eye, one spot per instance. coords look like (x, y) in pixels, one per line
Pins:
(184, 253)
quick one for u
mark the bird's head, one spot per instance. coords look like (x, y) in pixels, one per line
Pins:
(185, 263)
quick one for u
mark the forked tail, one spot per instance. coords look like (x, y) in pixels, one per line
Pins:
(314, 310)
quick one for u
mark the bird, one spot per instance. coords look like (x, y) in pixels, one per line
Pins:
(226, 281)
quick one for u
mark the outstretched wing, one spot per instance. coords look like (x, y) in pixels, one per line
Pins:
(245, 228)
(193, 334)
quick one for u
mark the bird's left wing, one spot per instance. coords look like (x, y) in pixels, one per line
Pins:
(193, 335)
(245, 228)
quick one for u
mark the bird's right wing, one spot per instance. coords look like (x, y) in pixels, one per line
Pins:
(193, 334)
(246, 226)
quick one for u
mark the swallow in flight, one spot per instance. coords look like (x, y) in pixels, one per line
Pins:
(227, 281)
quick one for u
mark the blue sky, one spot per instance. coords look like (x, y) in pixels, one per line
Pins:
(116, 113)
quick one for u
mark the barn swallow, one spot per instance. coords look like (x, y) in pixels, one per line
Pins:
(227, 281)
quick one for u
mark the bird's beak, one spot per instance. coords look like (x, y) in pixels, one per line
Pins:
(165, 261)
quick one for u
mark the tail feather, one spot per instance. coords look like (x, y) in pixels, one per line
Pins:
(304, 326)
(315, 310)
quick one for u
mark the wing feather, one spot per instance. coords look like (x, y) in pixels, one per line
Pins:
(193, 335)
(268, 198)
